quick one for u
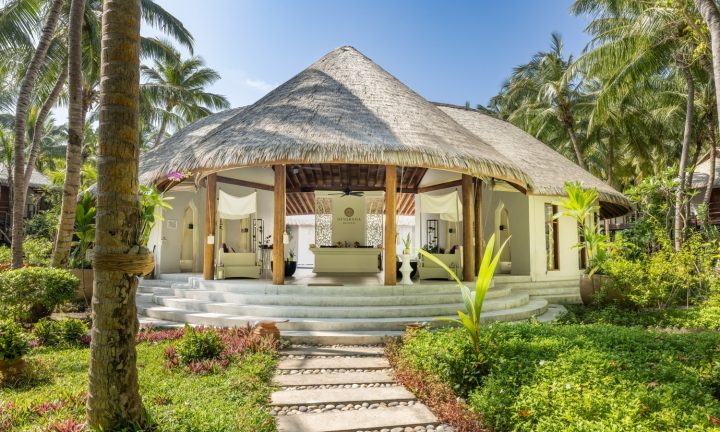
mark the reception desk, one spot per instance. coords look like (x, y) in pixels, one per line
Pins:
(346, 260)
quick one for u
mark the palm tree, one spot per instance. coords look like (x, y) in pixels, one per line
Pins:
(113, 398)
(175, 91)
(543, 96)
(21, 111)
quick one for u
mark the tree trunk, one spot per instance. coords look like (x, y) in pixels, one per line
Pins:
(114, 400)
(687, 136)
(711, 15)
(568, 120)
(63, 240)
(21, 111)
(42, 115)
(610, 161)
(161, 132)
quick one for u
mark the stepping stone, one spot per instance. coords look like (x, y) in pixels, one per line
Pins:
(343, 395)
(379, 376)
(334, 351)
(381, 418)
(335, 363)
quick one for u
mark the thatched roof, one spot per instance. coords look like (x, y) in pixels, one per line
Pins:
(37, 180)
(701, 175)
(548, 170)
(342, 109)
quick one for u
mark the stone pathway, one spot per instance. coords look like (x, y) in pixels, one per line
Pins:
(345, 389)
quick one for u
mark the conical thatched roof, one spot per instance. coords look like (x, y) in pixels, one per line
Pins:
(548, 170)
(342, 109)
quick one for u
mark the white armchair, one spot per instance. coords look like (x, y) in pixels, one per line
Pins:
(243, 265)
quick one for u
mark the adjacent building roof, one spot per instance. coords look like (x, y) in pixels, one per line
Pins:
(701, 175)
(548, 170)
(37, 180)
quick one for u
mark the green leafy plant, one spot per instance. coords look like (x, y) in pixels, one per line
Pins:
(47, 332)
(84, 228)
(150, 200)
(31, 293)
(470, 319)
(582, 204)
(37, 251)
(199, 345)
(73, 331)
(13, 342)
(406, 243)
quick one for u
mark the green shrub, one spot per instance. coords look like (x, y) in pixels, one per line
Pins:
(37, 251)
(199, 345)
(29, 294)
(47, 332)
(583, 377)
(73, 331)
(5, 254)
(68, 332)
(43, 224)
(666, 277)
(13, 342)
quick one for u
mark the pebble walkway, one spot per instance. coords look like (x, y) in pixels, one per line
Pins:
(345, 389)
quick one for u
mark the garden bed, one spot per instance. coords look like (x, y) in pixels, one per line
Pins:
(176, 399)
(573, 377)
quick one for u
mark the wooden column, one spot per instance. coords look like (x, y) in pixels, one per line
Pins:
(210, 209)
(479, 225)
(278, 274)
(390, 224)
(468, 228)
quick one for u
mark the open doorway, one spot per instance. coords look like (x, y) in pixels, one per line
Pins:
(188, 246)
(502, 234)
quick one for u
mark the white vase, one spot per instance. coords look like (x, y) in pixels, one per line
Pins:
(406, 270)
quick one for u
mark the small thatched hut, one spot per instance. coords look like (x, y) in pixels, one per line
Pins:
(344, 129)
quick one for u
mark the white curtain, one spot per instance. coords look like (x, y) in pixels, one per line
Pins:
(233, 207)
(448, 206)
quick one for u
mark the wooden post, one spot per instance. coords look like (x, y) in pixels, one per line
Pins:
(278, 274)
(390, 224)
(468, 228)
(479, 225)
(210, 208)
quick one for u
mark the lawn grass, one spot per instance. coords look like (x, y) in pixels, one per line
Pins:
(234, 399)
(595, 377)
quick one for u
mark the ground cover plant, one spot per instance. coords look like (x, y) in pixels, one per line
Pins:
(576, 377)
(177, 400)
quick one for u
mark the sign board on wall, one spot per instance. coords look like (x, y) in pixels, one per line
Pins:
(349, 218)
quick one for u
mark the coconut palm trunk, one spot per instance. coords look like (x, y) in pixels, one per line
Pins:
(63, 241)
(713, 160)
(163, 127)
(114, 400)
(39, 122)
(568, 120)
(21, 112)
(687, 136)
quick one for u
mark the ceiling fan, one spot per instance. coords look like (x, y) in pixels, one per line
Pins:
(349, 192)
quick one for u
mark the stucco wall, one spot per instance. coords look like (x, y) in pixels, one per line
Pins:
(567, 237)
(517, 205)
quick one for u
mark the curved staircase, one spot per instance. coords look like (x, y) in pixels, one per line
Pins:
(347, 314)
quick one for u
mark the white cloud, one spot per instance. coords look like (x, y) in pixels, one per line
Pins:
(259, 84)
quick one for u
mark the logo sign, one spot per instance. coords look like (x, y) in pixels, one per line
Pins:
(349, 212)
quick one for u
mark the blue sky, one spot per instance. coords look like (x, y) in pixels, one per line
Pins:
(448, 51)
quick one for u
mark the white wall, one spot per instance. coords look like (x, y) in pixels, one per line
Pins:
(567, 237)
(517, 205)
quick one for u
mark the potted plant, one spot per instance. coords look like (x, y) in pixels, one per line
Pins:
(406, 244)
(85, 235)
(581, 205)
(290, 264)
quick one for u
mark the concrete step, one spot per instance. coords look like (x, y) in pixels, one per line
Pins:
(346, 421)
(340, 338)
(334, 351)
(552, 313)
(262, 287)
(334, 363)
(534, 285)
(532, 308)
(156, 283)
(560, 298)
(375, 377)
(506, 278)
(349, 311)
(341, 395)
(551, 290)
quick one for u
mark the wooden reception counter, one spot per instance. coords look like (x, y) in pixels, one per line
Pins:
(346, 260)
